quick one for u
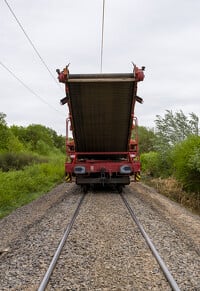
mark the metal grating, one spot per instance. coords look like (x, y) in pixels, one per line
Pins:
(101, 112)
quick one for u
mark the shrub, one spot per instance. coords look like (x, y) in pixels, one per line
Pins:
(157, 164)
(17, 161)
(186, 161)
(150, 163)
(14, 145)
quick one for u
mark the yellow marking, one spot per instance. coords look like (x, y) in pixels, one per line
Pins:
(68, 178)
(137, 177)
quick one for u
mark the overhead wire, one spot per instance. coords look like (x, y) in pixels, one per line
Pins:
(40, 57)
(31, 43)
(28, 88)
(102, 36)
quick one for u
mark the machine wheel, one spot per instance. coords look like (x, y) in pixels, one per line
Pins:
(119, 188)
(84, 188)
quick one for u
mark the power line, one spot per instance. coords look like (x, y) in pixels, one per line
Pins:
(31, 43)
(27, 87)
(102, 35)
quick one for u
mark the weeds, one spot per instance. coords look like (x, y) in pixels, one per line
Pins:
(174, 190)
(18, 188)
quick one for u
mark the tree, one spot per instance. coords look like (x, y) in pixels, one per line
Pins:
(2, 119)
(146, 139)
(58, 140)
(4, 132)
(20, 133)
(194, 123)
(174, 128)
(35, 134)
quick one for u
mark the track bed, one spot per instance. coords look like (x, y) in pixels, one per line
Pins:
(105, 250)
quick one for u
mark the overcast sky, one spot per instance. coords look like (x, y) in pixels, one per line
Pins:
(163, 36)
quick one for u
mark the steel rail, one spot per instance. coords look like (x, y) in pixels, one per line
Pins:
(164, 268)
(52, 265)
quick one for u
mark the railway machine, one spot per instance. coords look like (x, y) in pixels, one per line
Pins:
(104, 148)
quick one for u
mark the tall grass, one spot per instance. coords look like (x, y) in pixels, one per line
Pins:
(20, 187)
(173, 189)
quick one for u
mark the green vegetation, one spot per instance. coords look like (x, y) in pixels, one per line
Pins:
(186, 163)
(20, 187)
(32, 160)
(174, 154)
(31, 163)
(17, 161)
(150, 163)
(146, 139)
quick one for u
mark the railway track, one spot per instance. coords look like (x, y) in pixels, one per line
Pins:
(104, 250)
(46, 278)
(171, 281)
(156, 254)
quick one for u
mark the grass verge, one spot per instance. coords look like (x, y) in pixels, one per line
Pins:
(18, 188)
(171, 188)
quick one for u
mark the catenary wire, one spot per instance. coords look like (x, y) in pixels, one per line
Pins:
(102, 36)
(31, 43)
(27, 87)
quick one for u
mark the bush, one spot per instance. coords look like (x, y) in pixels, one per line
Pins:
(14, 145)
(42, 148)
(156, 164)
(17, 161)
(186, 157)
(150, 163)
(20, 187)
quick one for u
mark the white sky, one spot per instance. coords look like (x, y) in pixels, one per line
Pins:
(164, 36)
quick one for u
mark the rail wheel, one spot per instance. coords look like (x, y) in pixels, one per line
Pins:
(84, 188)
(119, 188)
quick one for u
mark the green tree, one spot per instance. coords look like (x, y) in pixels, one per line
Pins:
(37, 137)
(146, 139)
(174, 128)
(58, 140)
(36, 133)
(14, 145)
(4, 132)
(20, 133)
(2, 119)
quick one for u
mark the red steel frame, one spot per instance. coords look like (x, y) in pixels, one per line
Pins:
(95, 166)
(109, 166)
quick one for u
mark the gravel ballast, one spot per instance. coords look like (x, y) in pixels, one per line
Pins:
(105, 250)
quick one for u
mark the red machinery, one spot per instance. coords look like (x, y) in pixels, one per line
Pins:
(104, 148)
